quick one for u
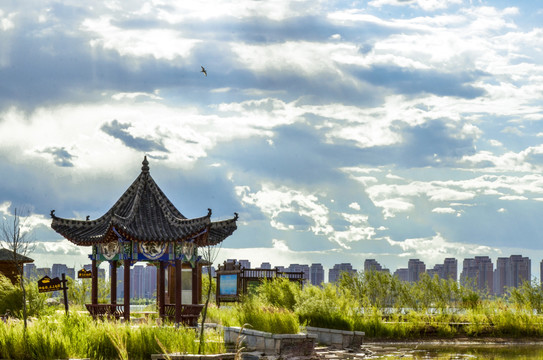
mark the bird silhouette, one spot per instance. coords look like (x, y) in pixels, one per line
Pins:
(203, 70)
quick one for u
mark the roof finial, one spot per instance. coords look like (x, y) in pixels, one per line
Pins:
(145, 163)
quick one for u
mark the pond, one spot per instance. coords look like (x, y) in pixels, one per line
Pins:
(499, 351)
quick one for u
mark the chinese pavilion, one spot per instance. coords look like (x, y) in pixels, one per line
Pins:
(143, 225)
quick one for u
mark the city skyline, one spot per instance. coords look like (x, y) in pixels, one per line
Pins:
(478, 272)
(338, 131)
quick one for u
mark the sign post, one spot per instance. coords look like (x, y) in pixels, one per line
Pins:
(46, 284)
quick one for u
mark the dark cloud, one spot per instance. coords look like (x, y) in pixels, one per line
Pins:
(119, 131)
(61, 156)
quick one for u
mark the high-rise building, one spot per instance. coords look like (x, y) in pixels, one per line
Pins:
(500, 275)
(478, 272)
(45, 271)
(415, 268)
(519, 271)
(245, 264)
(316, 274)
(30, 271)
(265, 265)
(335, 272)
(450, 269)
(373, 265)
(447, 270)
(402, 274)
(300, 268)
(511, 272)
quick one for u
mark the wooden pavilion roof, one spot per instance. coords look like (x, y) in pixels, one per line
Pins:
(6, 255)
(144, 213)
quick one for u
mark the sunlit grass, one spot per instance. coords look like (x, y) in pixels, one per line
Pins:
(78, 336)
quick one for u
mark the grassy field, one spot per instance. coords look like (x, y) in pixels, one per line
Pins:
(78, 336)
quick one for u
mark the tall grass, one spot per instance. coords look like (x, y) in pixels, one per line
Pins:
(385, 307)
(78, 336)
(266, 318)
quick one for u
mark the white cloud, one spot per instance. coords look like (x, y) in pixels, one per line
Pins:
(427, 5)
(277, 202)
(355, 206)
(444, 210)
(435, 248)
(160, 43)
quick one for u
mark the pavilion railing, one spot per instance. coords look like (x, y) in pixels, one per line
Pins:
(189, 313)
(105, 310)
(270, 273)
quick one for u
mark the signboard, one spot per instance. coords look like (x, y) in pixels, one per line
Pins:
(47, 284)
(84, 274)
(228, 284)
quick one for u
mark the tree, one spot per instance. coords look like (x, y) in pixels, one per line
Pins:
(20, 243)
(209, 254)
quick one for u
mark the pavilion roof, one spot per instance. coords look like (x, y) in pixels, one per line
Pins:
(144, 213)
(6, 255)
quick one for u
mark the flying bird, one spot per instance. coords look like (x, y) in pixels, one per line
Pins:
(203, 70)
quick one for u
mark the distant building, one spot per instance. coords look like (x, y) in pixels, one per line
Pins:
(373, 265)
(478, 272)
(402, 274)
(244, 263)
(300, 268)
(500, 274)
(30, 271)
(415, 268)
(265, 265)
(335, 272)
(316, 274)
(44, 271)
(447, 270)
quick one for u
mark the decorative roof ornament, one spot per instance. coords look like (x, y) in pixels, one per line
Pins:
(145, 163)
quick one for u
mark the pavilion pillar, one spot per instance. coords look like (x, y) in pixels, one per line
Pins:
(113, 280)
(126, 289)
(195, 284)
(178, 293)
(94, 283)
(161, 291)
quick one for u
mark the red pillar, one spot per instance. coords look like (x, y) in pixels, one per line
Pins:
(94, 283)
(178, 284)
(127, 290)
(113, 280)
(161, 291)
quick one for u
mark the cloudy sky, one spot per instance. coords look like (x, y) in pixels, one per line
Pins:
(338, 130)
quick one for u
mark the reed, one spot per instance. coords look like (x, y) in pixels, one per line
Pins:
(266, 318)
(78, 336)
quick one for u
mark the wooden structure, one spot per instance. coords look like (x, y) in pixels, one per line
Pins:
(233, 280)
(143, 225)
(8, 267)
